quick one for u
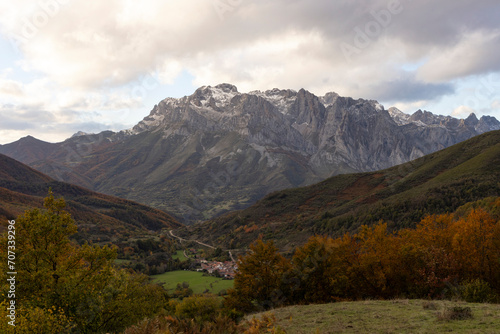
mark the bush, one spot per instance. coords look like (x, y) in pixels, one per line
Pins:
(477, 291)
(428, 305)
(267, 324)
(171, 325)
(455, 313)
(35, 320)
(199, 308)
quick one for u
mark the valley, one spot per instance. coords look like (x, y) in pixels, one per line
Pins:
(219, 150)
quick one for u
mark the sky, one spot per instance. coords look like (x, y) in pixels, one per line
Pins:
(74, 65)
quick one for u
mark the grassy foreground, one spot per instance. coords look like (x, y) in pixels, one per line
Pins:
(196, 280)
(395, 316)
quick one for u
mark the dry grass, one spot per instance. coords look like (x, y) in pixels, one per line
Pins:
(429, 305)
(396, 316)
(455, 313)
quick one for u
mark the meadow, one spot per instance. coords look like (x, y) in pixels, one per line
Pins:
(390, 316)
(196, 280)
(179, 255)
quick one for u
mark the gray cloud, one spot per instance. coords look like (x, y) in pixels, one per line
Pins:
(443, 24)
(123, 42)
(408, 89)
(87, 50)
(23, 117)
(46, 126)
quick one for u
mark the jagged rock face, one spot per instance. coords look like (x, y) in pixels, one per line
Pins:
(219, 150)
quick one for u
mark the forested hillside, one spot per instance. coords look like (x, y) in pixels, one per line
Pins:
(400, 196)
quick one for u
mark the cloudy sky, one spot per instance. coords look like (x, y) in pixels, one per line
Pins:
(71, 65)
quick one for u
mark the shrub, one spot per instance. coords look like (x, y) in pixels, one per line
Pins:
(476, 291)
(264, 325)
(199, 308)
(35, 320)
(171, 325)
(455, 313)
(428, 305)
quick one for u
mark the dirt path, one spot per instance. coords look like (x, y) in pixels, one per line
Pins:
(200, 243)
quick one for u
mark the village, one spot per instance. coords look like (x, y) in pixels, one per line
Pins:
(224, 269)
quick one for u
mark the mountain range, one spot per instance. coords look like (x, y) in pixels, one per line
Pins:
(219, 150)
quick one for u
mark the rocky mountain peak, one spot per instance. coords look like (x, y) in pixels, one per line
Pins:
(227, 88)
(487, 123)
(329, 98)
(282, 99)
(79, 133)
(216, 91)
(223, 107)
(425, 117)
(28, 138)
(471, 120)
(398, 116)
(214, 97)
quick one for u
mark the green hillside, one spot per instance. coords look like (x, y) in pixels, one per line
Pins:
(401, 196)
(99, 217)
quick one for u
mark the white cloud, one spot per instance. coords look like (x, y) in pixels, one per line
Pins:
(463, 112)
(100, 59)
(11, 88)
(475, 53)
(256, 44)
(91, 45)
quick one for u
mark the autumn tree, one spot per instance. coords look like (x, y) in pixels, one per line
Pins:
(260, 276)
(475, 246)
(78, 283)
(318, 273)
(426, 256)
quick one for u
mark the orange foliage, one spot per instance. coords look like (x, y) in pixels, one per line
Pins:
(260, 275)
(475, 246)
(441, 252)
(251, 228)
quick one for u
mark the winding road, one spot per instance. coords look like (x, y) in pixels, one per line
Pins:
(201, 243)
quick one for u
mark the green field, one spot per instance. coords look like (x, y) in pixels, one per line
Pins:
(179, 255)
(196, 280)
(393, 316)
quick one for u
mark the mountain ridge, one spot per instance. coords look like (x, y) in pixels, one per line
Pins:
(219, 150)
(99, 217)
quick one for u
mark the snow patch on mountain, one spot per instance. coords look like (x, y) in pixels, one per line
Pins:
(398, 116)
(281, 99)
